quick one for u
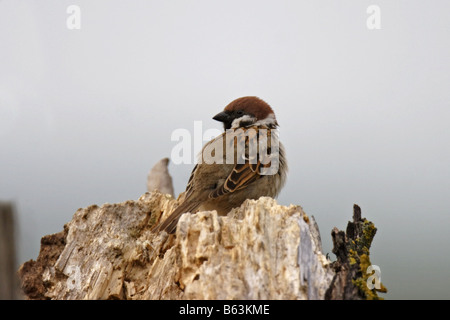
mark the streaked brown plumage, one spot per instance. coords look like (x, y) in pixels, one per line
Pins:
(223, 186)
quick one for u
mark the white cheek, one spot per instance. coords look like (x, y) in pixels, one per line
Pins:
(268, 121)
(236, 122)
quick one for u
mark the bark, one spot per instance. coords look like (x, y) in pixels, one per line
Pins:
(261, 250)
(352, 250)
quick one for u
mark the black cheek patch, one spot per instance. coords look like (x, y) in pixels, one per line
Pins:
(245, 123)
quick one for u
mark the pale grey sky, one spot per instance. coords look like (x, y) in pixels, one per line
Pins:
(364, 114)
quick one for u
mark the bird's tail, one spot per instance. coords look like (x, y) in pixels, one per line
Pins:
(170, 224)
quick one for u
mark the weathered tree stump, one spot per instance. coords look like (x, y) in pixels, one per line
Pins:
(261, 250)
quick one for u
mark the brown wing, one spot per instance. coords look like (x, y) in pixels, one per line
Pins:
(240, 177)
(245, 173)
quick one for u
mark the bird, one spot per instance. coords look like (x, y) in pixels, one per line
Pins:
(229, 170)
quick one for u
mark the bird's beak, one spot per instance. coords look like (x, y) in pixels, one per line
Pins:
(222, 117)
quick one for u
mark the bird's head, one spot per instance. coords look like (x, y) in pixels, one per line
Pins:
(247, 111)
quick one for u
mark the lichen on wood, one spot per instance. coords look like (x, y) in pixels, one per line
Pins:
(352, 249)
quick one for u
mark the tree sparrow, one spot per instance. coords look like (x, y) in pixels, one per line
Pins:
(245, 162)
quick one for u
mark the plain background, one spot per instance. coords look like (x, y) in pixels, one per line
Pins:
(364, 114)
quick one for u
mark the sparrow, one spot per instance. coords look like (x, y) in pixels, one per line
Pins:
(247, 161)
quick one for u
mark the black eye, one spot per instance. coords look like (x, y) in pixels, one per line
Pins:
(239, 112)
